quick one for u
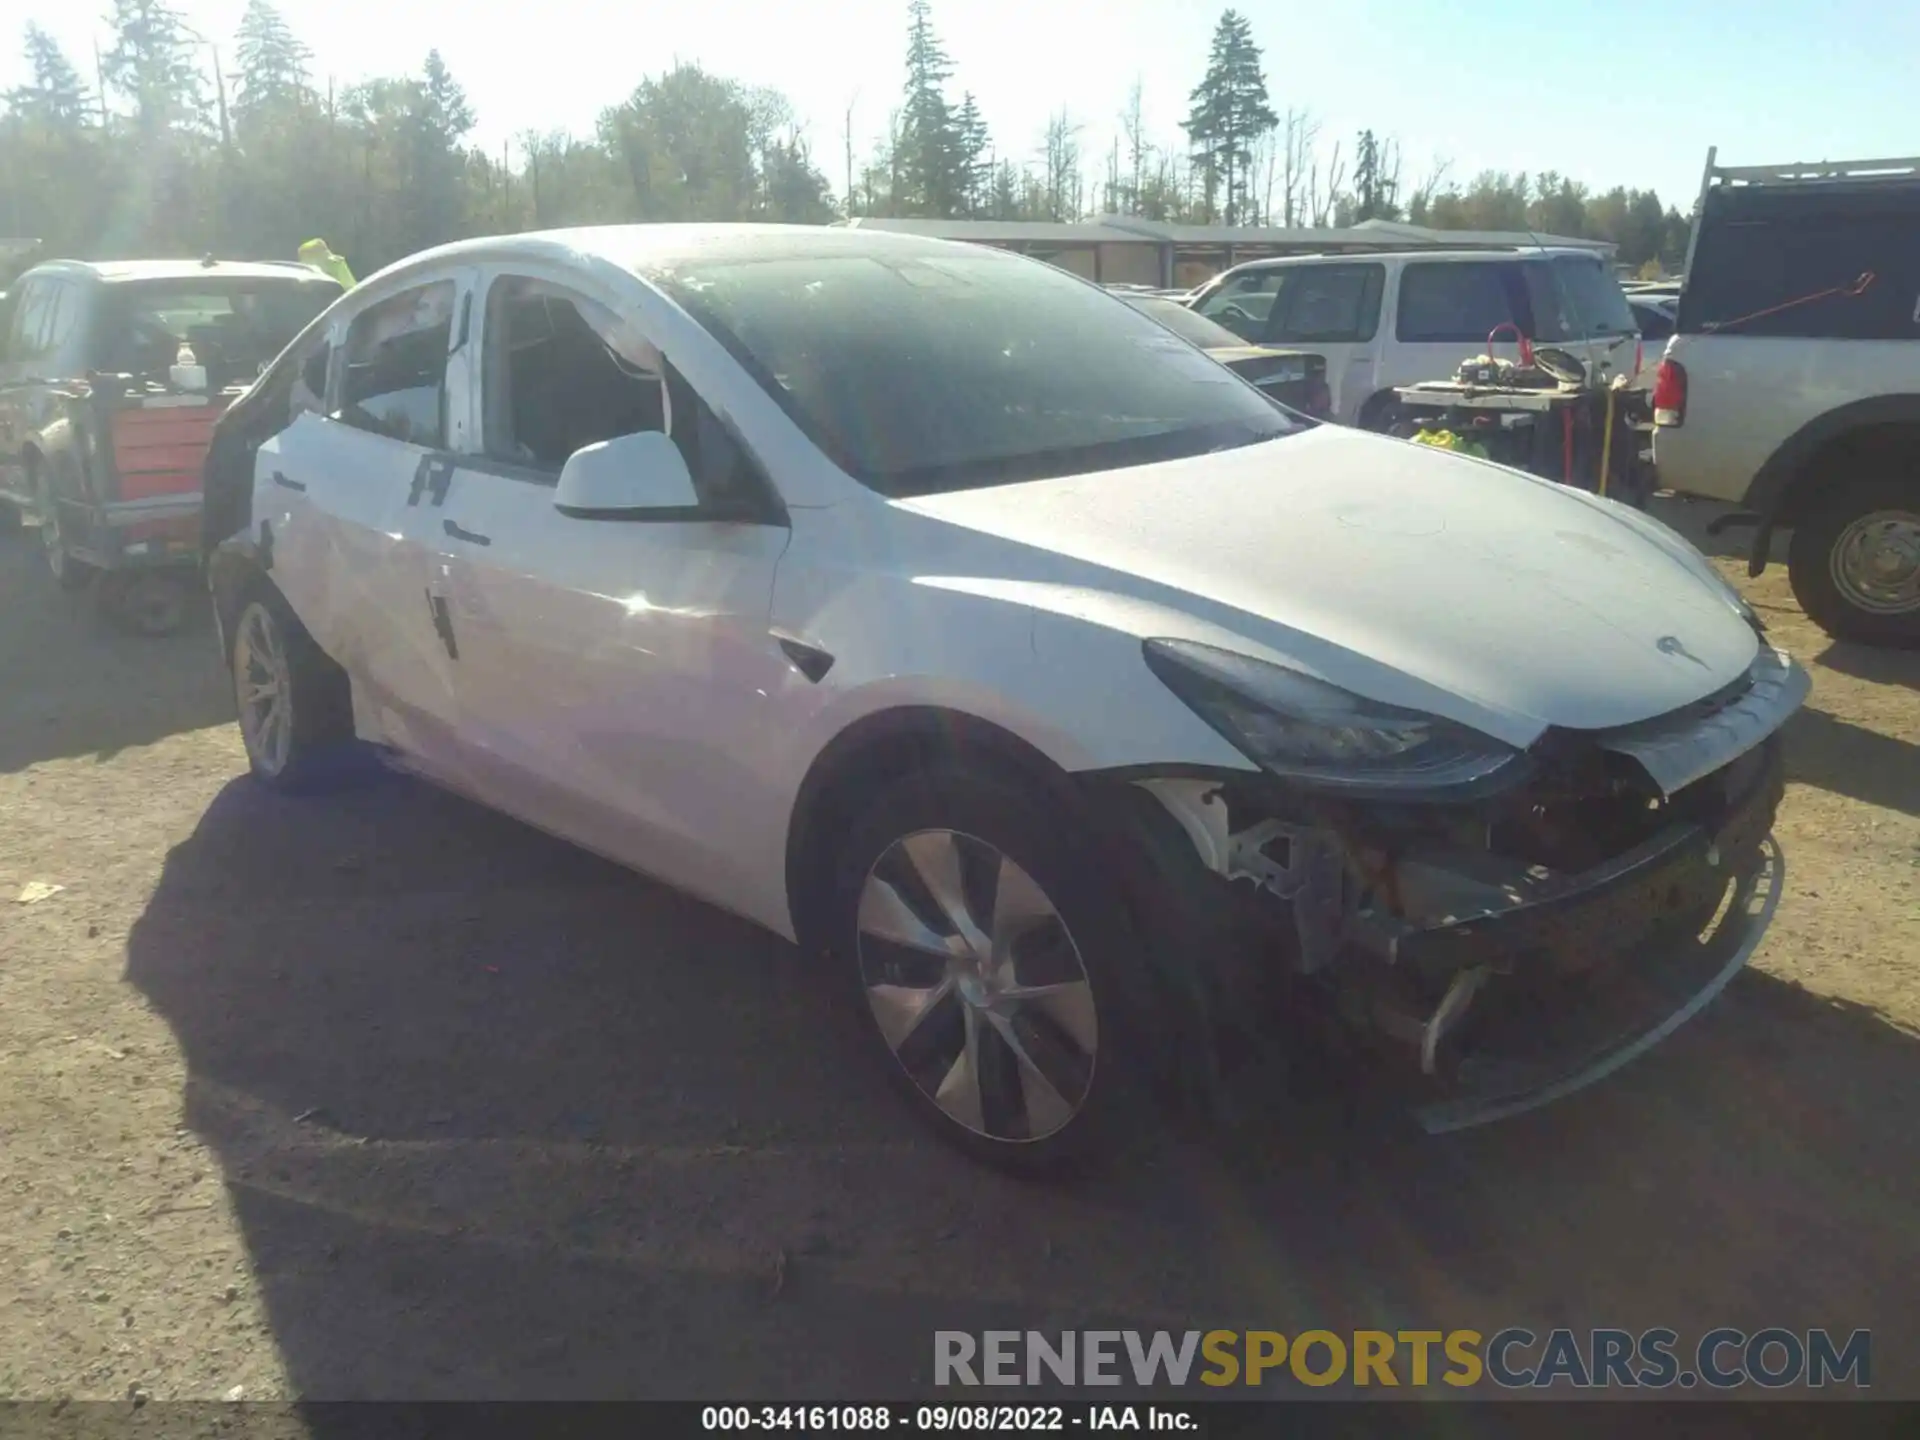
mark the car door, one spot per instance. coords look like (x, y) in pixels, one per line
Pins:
(17, 347)
(28, 343)
(1333, 308)
(611, 673)
(341, 492)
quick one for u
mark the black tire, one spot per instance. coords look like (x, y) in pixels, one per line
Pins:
(1114, 1092)
(319, 721)
(68, 573)
(1813, 558)
(1383, 414)
(148, 603)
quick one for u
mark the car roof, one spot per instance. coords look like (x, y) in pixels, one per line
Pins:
(117, 272)
(651, 250)
(1337, 257)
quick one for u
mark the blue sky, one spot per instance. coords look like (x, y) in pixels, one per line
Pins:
(1611, 93)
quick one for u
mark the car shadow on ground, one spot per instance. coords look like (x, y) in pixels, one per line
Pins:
(75, 685)
(1878, 666)
(1847, 759)
(501, 1120)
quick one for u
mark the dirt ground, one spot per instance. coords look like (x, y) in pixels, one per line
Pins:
(379, 1095)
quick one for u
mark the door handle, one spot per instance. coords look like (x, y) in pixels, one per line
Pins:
(287, 484)
(443, 624)
(453, 528)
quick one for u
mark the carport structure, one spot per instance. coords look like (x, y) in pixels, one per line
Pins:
(1128, 250)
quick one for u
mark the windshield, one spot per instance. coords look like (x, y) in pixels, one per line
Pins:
(1599, 306)
(922, 373)
(1194, 329)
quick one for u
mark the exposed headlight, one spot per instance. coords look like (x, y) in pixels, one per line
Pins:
(1320, 735)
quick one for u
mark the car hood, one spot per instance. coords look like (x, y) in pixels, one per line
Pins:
(1365, 558)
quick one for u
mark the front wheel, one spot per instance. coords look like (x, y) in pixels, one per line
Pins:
(148, 603)
(294, 702)
(996, 971)
(1855, 565)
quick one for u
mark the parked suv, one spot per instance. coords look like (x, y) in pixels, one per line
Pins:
(102, 429)
(1390, 319)
(1792, 385)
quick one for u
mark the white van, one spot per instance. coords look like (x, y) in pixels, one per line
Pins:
(1396, 318)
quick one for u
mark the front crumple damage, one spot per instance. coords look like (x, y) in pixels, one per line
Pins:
(1501, 953)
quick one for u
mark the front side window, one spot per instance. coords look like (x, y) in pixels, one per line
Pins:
(310, 381)
(1596, 306)
(562, 372)
(1458, 304)
(553, 382)
(1330, 304)
(394, 379)
(1245, 303)
(919, 372)
(30, 318)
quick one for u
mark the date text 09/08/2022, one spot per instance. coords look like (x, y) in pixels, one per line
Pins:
(941, 1419)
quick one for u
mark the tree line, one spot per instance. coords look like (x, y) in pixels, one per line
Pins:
(166, 147)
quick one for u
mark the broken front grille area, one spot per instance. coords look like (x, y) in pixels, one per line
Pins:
(1445, 928)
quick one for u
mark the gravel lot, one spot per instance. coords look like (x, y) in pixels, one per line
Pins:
(379, 1095)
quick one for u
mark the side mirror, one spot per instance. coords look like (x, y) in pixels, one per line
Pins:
(630, 477)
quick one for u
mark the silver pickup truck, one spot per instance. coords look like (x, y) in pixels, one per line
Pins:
(1791, 387)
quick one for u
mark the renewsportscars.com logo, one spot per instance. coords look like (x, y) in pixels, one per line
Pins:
(1514, 1358)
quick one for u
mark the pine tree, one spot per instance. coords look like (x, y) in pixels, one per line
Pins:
(971, 144)
(437, 120)
(796, 191)
(929, 182)
(1230, 111)
(56, 98)
(1376, 179)
(273, 64)
(151, 64)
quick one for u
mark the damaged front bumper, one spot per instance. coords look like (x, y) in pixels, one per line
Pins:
(1587, 1046)
(1498, 956)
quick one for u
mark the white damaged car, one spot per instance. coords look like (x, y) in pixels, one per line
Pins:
(1071, 701)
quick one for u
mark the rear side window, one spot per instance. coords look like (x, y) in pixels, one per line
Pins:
(1329, 304)
(1453, 303)
(394, 380)
(1788, 273)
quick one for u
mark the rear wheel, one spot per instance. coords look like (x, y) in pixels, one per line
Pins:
(1855, 564)
(994, 971)
(68, 573)
(295, 706)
